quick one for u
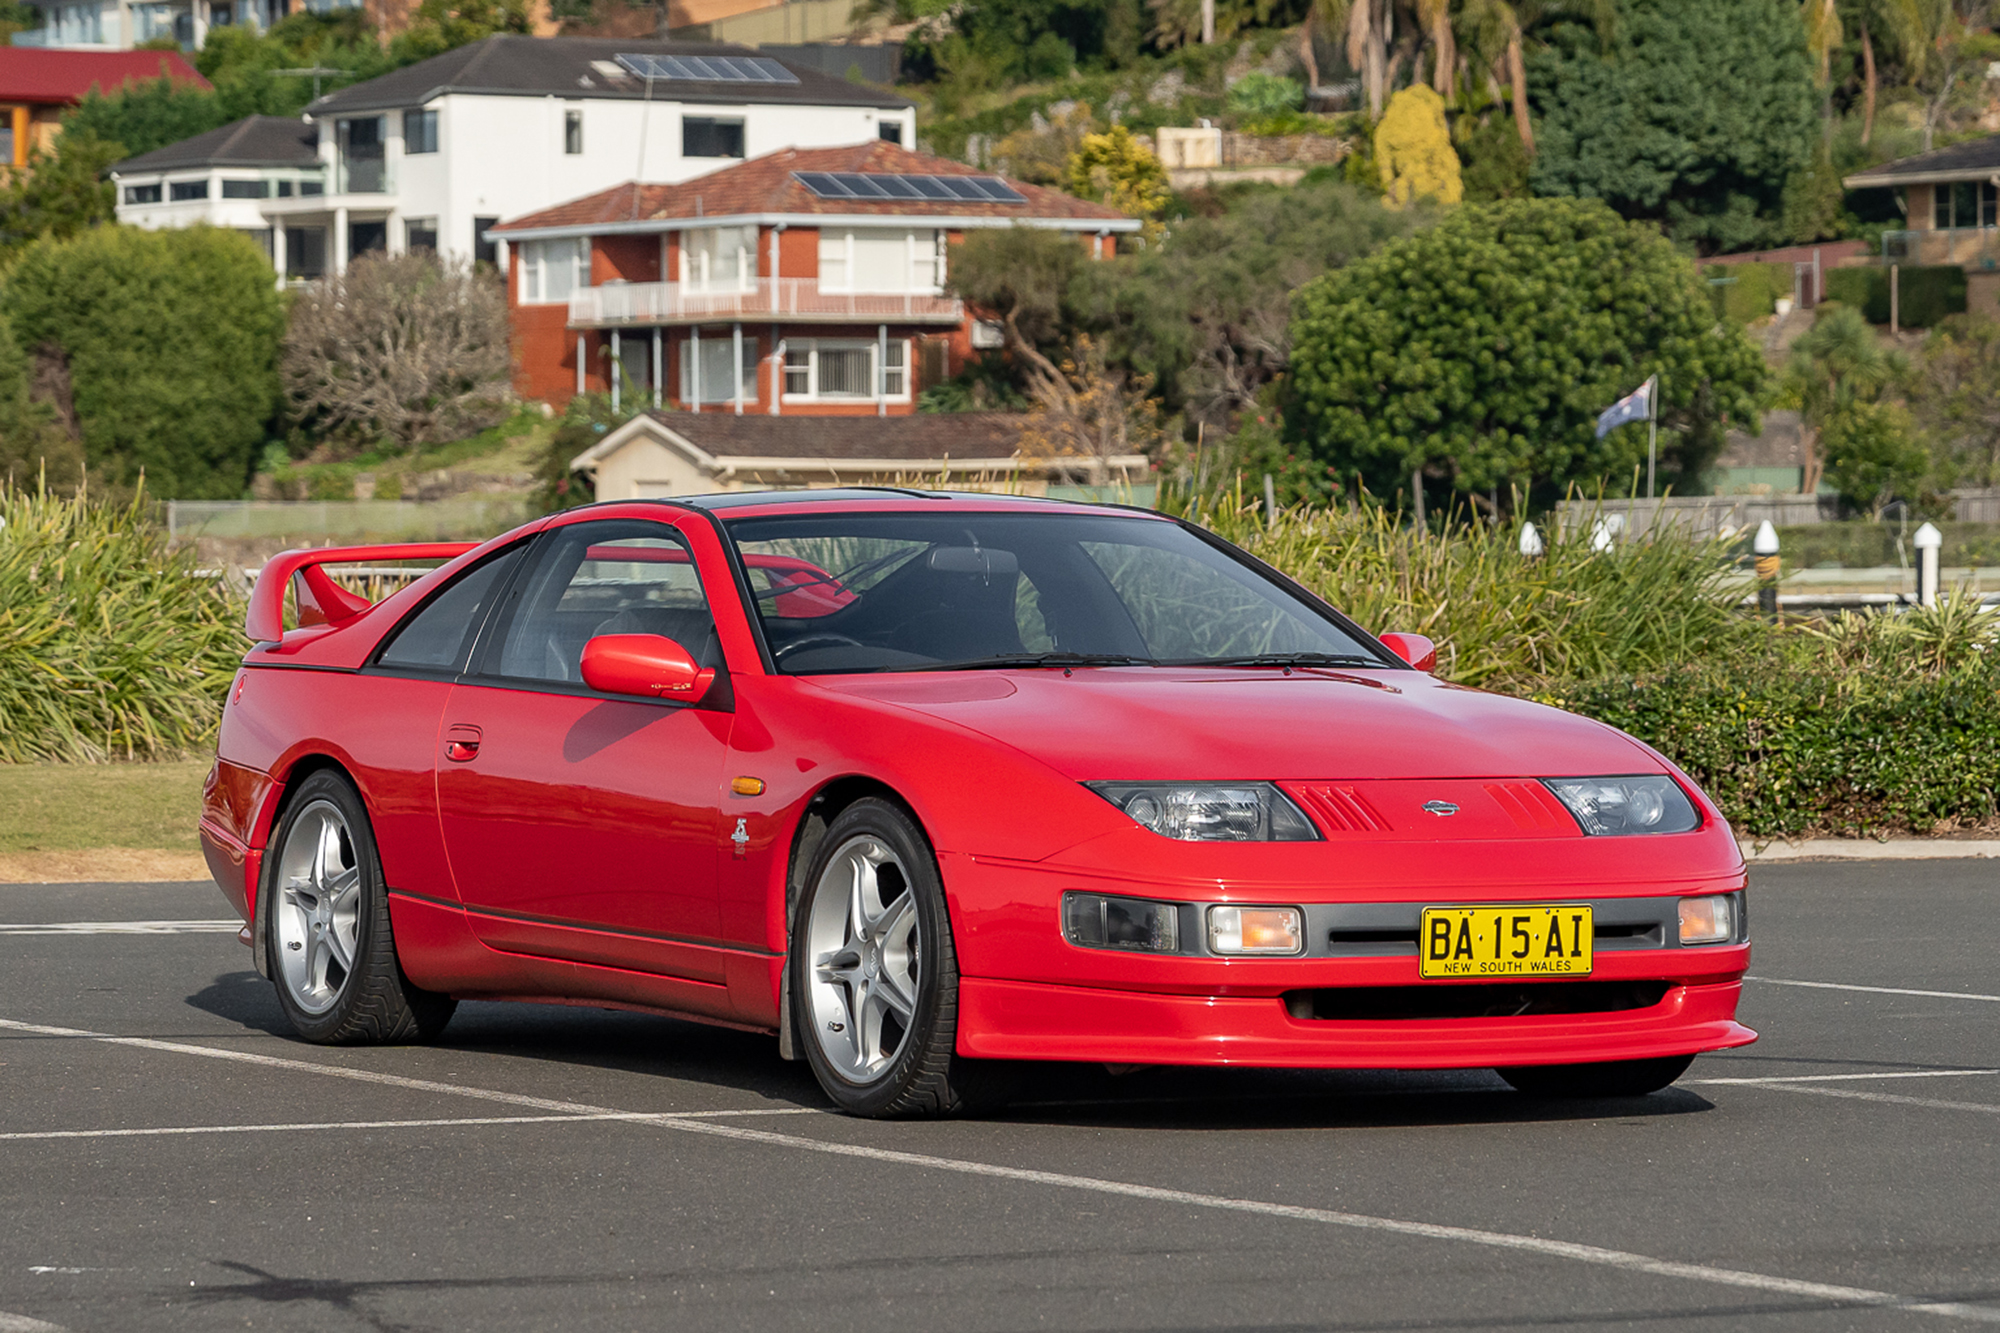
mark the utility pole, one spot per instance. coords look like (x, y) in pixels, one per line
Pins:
(1208, 22)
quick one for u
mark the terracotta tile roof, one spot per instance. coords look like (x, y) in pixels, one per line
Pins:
(36, 74)
(922, 437)
(768, 184)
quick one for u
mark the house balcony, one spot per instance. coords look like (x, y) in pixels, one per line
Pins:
(1968, 247)
(793, 300)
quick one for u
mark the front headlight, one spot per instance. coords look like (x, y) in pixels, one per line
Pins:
(1210, 811)
(1607, 806)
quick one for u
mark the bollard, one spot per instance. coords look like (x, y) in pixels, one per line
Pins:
(1765, 547)
(1531, 541)
(1927, 541)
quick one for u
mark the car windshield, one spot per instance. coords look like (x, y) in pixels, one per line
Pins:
(847, 592)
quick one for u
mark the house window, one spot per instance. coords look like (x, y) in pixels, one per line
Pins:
(72, 25)
(420, 234)
(182, 191)
(420, 131)
(363, 169)
(711, 136)
(714, 386)
(246, 189)
(880, 260)
(719, 259)
(285, 189)
(890, 131)
(835, 369)
(572, 132)
(552, 270)
(305, 252)
(261, 235)
(143, 194)
(485, 250)
(7, 138)
(311, 188)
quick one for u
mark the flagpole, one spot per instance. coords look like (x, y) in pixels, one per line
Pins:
(1652, 432)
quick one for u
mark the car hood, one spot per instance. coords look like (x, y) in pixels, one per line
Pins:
(1139, 723)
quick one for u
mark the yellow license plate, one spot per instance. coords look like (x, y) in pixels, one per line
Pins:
(1524, 941)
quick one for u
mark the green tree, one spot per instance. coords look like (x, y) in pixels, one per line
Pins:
(1206, 313)
(33, 444)
(170, 340)
(1022, 276)
(442, 25)
(1413, 150)
(1872, 456)
(1957, 396)
(58, 194)
(1482, 350)
(1698, 116)
(1837, 365)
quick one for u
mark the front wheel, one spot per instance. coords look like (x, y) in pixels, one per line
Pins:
(327, 933)
(874, 977)
(1615, 1078)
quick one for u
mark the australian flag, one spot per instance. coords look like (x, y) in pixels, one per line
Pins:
(1634, 406)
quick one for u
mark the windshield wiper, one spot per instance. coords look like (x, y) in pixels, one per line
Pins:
(1281, 660)
(1004, 660)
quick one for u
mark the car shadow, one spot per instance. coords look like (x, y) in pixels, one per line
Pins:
(1155, 1097)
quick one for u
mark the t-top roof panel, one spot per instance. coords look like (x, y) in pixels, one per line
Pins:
(883, 185)
(708, 69)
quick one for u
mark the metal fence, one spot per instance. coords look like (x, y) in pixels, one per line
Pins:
(1710, 515)
(313, 521)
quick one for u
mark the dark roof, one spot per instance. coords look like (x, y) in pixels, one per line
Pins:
(770, 184)
(37, 74)
(254, 141)
(919, 437)
(510, 64)
(1975, 158)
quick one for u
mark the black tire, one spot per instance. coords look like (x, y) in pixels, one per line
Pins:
(924, 1076)
(359, 994)
(1616, 1078)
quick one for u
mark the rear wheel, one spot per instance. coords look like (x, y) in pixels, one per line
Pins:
(326, 915)
(1616, 1078)
(874, 976)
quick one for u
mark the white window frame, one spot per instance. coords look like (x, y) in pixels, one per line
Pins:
(714, 394)
(924, 250)
(697, 261)
(809, 349)
(534, 260)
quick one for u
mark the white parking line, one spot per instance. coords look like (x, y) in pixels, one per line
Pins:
(229, 927)
(1880, 990)
(1588, 1254)
(1840, 1078)
(169, 1130)
(1935, 1104)
(20, 1323)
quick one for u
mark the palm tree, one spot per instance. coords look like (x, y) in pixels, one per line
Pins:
(1837, 364)
(1368, 25)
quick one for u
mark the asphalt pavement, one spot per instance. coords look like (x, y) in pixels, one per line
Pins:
(171, 1159)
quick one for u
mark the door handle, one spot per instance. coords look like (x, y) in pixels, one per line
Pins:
(461, 742)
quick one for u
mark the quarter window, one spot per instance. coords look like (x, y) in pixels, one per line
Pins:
(439, 637)
(602, 578)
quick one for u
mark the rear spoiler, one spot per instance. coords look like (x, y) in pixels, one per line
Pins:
(321, 601)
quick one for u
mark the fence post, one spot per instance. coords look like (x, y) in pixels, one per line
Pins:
(1895, 305)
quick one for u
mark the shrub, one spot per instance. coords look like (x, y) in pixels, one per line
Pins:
(170, 339)
(1749, 291)
(1925, 296)
(109, 645)
(33, 443)
(400, 346)
(1259, 95)
(1413, 150)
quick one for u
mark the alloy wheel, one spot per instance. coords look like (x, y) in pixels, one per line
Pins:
(317, 907)
(865, 948)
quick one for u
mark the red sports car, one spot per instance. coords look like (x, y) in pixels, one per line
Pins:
(926, 782)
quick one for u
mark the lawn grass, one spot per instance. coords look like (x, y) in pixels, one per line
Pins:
(80, 807)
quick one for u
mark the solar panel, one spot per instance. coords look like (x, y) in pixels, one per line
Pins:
(708, 69)
(900, 185)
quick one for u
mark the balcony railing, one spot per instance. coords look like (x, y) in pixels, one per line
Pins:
(1972, 247)
(617, 304)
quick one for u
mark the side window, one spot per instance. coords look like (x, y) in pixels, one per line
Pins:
(618, 577)
(439, 636)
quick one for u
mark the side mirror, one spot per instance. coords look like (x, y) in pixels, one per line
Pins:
(1415, 649)
(650, 666)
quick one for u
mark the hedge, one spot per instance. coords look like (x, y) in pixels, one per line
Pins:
(1924, 295)
(1787, 752)
(1747, 291)
(1863, 545)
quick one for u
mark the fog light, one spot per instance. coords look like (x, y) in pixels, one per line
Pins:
(1097, 922)
(1260, 930)
(1708, 920)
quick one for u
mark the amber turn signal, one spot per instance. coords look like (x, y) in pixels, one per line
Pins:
(1255, 930)
(1709, 920)
(747, 786)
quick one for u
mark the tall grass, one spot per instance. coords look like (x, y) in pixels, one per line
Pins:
(1501, 619)
(110, 646)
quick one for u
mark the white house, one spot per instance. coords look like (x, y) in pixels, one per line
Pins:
(434, 154)
(120, 25)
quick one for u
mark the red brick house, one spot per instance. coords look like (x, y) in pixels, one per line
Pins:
(805, 282)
